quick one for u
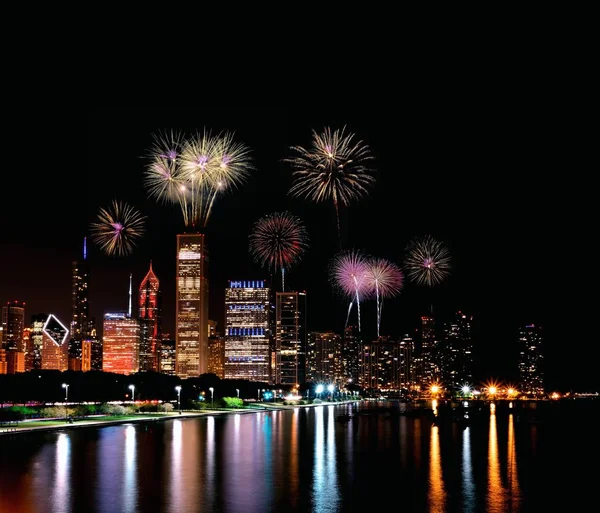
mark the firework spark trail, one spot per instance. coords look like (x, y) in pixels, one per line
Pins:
(386, 279)
(117, 228)
(192, 172)
(278, 241)
(428, 261)
(349, 273)
(334, 168)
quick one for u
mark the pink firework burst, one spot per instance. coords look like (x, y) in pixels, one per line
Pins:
(349, 273)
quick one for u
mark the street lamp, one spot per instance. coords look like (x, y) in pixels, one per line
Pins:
(212, 402)
(319, 390)
(66, 387)
(178, 388)
(132, 388)
(330, 388)
(238, 392)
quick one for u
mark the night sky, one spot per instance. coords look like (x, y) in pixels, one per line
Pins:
(470, 178)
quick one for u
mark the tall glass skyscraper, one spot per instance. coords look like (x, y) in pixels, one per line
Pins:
(290, 338)
(351, 351)
(247, 333)
(150, 322)
(191, 332)
(324, 358)
(531, 360)
(55, 344)
(428, 360)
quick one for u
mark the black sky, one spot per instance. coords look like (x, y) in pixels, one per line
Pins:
(476, 177)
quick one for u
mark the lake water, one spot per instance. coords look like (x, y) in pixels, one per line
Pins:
(514, 460)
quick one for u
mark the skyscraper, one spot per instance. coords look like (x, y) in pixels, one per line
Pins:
(55, 344)
(290, 338)
(192, 306)
(36, 342)
(150, 322)
(427, 364)
(457, 352)
(216, 355)
(323, 357)
(80, 309)
(531, 360)
(407, 379)
(247, 333)
(351, 354)
(13, 322)
(121, 344)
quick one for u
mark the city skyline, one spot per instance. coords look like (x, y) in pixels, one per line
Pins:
(490, 278)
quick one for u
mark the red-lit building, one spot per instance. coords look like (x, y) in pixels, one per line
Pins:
(55, 345)
(120, 344)
(150, 325)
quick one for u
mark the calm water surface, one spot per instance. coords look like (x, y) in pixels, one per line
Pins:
(306, 460)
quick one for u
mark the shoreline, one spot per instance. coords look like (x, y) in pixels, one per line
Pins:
(7, 431)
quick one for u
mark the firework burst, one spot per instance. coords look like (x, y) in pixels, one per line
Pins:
(386, 280)
(278, 241)
(117, 228)
(335, 168)
(428, 261)
(193, 171)
(349, 275)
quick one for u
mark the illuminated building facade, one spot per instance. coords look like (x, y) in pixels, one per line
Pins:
(55, 344)
(13, 323)
(247, 333)
(457, 352)
(351, 352)
(121, 344)
(191, 337)
(167, 356)
(324, 357)
(216, 355)
(150, 322)
(531, 360)
(290, 338)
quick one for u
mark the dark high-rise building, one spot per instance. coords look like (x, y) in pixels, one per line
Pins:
(427, 364)
(33, 359)
(216, 355)
(150, 322)
(457, 352)
(290, 338)
(192, 306)
(247, 333)
(13, 323)
(323, 358)
(167, 356)
(531, 360)
(351, 352)
(407, 378)
(80, 311)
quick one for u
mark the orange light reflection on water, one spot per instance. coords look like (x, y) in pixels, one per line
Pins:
(437, 493)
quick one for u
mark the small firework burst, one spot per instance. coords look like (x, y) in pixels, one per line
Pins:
(428, 261)
(349, 273)
(278, 241)
(117, 228)
(334, 169)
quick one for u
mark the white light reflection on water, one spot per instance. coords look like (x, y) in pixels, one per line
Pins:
(175, 486)
(467, 473)
(437, 493)
(326, 496)
(62, 470)
(129, 494)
